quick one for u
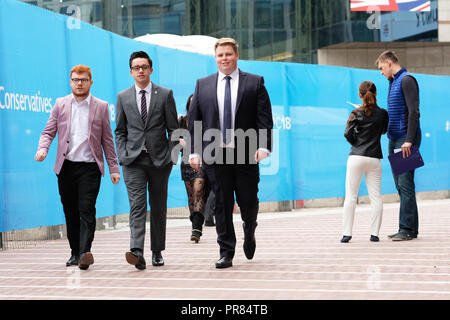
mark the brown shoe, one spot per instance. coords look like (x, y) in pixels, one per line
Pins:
(136, 260)
(86, 259)
(195, 236)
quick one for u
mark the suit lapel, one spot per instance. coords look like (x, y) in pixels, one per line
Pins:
(134, 104)
(153, 99)
(68, 108)
(241, 89)
(92, 110)
(214, 92)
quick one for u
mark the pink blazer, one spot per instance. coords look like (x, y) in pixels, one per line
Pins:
(100, 136)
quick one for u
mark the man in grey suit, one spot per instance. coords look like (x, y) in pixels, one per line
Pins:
(146, 118)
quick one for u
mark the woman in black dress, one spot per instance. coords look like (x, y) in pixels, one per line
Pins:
(195, 183)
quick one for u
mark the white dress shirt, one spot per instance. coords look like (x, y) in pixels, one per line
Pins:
(79, 149)
(148, 91)
(234, 84)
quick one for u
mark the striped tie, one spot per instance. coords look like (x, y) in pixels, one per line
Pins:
(143, 106)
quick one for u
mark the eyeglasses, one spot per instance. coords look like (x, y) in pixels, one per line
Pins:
(83, 80)
(144, 67)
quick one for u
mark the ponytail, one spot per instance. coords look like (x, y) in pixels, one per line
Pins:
(369, 101)
(368, 91)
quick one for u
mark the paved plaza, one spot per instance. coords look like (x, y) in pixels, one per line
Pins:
(298, 256)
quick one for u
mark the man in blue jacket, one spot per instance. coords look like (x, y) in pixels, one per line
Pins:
(403, 133)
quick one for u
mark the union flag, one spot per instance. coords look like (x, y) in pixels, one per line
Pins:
(390, 5)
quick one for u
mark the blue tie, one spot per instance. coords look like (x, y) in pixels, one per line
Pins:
(227, 112)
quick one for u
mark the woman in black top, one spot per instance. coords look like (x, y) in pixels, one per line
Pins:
(364, 128)
(194, 182)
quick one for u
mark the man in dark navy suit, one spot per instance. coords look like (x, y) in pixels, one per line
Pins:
(230, 124)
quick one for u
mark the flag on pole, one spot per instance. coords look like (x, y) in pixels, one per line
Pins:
(390, 5)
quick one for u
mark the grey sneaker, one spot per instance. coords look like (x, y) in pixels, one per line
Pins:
(392, 235)
(401, 236)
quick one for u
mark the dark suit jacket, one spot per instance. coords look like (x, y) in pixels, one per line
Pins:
(253, 109)
(131, 131)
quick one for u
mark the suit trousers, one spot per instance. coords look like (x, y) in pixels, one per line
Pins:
(227, 180)
(371, 168)
(141, 175)
(79, 184)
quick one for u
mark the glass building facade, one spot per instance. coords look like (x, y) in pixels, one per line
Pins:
(272, 30)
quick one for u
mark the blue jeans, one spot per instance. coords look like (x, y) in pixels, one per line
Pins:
(409, 216)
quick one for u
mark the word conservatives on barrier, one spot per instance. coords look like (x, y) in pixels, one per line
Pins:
(35, 103)
(23, 102)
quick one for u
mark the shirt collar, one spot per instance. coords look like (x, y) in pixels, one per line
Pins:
(85, 101)
(399, 72)
(233, 75)
(148, 88)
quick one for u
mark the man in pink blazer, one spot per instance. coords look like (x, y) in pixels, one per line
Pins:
(84, 133)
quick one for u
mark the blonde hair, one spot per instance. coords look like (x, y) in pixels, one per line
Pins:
(227, 42)
(387, 55)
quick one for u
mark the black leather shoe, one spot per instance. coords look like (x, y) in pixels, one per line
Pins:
(73, 261)
(210, 222)
(249, 238)
(346, 239)
(224, 262)
(374, 238)
(157, 259)
(249, 246)
(136, 259)
(86, 259)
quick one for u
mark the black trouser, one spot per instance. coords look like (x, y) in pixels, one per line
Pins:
(226, 180)
(197, 220)
(79, 184)
(210, 203)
